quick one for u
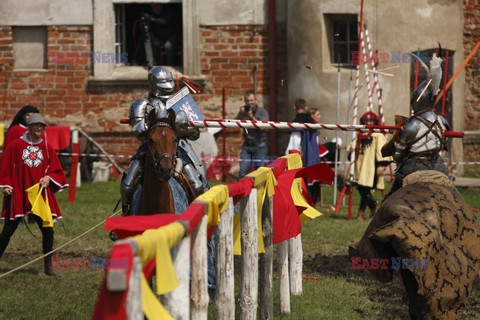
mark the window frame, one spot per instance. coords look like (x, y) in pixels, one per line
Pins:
(104, 33)
(331, 19)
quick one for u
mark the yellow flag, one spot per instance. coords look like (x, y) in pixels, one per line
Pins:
(156, 243)
(265, 182)
(217, 199)
(152, 308)
(2, 133)
(40, 206)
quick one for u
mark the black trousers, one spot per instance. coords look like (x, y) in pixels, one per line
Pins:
(10, 226)
(366, 198)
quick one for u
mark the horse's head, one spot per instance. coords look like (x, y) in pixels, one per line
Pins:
(162, 144)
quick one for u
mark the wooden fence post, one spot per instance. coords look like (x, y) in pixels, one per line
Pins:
(134, 297)
(199, 291)
(284, 276)
(249, 258)
(177, 302)
(296, 264)
(225, 296)
(266, 262)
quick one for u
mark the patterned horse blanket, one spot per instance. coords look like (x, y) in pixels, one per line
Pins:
(427, 220)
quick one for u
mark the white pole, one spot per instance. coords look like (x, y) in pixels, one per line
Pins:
(177, 302)
(199, 291)
(282, 248)
(336, 138)
(249, 272)
(295, 262)
(225, 297)
(266, 262)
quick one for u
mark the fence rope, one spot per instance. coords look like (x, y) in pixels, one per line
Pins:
(56, 249)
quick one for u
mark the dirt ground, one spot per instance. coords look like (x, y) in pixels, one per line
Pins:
(390, 297)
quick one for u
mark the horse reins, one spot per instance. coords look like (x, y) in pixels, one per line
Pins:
(171, 157)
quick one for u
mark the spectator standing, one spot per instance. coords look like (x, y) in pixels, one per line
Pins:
(370, 164)
(255, 140)
(28, 161)
(304, 141)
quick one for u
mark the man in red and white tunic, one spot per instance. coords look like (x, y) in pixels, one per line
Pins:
(27, 161)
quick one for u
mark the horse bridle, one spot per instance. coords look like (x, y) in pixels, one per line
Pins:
(171, 157)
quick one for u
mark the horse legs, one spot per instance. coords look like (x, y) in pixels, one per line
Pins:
(417, 307)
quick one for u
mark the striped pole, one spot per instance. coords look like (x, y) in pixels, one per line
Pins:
(367, 74)
(376, 83)
(275, 125)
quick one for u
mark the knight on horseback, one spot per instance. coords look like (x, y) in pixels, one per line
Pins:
(161, 89)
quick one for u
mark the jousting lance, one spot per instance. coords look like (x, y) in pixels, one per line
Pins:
(274, 125)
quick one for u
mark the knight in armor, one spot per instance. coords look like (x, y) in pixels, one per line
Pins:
(418, 144)
(161, 89)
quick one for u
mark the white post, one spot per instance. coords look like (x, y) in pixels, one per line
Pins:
(134, 296)
(79, 172)
(199, 291)
(177, 302)
(266, 263)
(284, 276)
(225, 297)
(295, 263)
(249, 272)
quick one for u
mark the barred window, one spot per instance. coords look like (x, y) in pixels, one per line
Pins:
(151, 33)
(342, 30)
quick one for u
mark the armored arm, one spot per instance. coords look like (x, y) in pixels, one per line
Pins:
(137, 117)
(405, 138)
(389, 148)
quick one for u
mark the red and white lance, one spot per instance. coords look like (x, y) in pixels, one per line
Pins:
(274, 125)
(376, 83)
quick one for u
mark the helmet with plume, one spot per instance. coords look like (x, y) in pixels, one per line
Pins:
(423, 97)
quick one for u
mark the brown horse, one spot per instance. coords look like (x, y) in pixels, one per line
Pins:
(159, 165)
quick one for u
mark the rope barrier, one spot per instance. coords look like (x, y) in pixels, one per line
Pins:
(56, 249)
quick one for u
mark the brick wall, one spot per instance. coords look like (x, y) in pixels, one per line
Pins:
(472, 78)
(229, 55)
(61, 92)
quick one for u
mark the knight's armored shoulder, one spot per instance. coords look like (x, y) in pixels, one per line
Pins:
(410, 129)
(137, 108)
(137, 115)
(430, 116)
(444, 121)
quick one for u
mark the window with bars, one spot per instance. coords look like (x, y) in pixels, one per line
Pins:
(120, 40)
(151, 33)
(342, 31)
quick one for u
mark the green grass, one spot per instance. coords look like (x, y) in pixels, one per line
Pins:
(332, 290)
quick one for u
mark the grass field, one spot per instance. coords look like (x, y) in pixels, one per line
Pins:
(331, 289)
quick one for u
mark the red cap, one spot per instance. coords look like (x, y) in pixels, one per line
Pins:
(370, 115)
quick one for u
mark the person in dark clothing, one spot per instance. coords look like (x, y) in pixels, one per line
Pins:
(305, 141)
(330, 147)
(255, 144)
